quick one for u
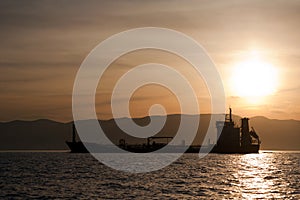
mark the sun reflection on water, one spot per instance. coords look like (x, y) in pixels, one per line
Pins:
(257, 174)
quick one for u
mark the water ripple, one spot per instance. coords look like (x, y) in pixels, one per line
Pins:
(80, 176)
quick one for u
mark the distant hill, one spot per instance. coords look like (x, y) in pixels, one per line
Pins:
(39, 134)
(278, 134)
(50, 135)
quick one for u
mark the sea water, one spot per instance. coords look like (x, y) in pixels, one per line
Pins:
(46, 175)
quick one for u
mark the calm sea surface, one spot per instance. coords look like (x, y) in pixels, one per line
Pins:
(64, 175)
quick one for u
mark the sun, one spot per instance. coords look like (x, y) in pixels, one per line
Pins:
(254, 78)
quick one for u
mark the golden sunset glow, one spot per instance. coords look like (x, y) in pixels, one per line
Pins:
(254, 77)
(255, 50)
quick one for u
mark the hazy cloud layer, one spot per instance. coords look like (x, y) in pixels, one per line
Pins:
(44, 42)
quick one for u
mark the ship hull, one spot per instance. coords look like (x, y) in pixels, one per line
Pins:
(78, 147)
(237, 150)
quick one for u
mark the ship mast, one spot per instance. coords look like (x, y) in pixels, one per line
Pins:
(73, 133)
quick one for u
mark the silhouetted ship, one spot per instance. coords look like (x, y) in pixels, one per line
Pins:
(231, 139)
(234, 139)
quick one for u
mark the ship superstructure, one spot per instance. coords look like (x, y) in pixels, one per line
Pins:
(234, 139)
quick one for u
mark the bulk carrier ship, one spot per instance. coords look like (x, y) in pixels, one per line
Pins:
(231, 139)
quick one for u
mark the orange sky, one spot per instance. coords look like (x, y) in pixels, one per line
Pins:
(44, 43)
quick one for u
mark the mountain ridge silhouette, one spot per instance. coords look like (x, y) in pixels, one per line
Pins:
(46, 134)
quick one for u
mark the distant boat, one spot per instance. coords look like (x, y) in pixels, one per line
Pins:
(231, 139)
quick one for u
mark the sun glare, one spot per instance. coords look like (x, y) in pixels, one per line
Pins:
(254, 78)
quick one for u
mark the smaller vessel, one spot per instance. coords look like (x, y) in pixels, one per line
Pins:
(234, 139)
